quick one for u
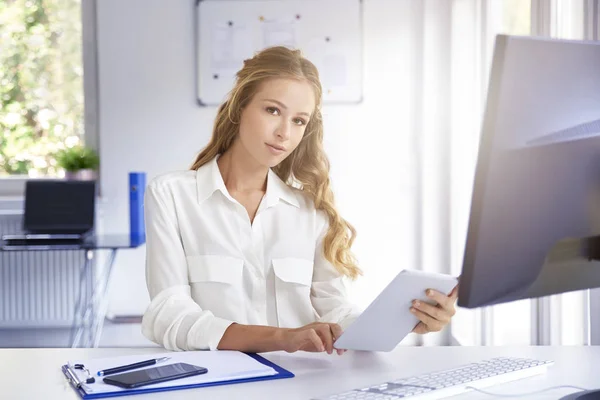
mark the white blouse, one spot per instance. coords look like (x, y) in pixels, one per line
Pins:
(207, 266)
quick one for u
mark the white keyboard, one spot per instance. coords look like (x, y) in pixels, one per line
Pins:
(449, 382)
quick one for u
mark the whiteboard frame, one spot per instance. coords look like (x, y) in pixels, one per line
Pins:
(197, 58)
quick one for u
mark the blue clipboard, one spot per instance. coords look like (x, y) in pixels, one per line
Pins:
(281, 374)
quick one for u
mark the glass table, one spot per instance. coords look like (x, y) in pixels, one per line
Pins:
(91, 300)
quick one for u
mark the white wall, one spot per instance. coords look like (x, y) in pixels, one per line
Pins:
(149, 121)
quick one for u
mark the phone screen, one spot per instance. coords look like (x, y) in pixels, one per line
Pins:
(150, 376)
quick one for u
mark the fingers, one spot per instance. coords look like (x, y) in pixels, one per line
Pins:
(435, 317)
(420, 329)
(329, 332)
(454, 292)
(314, 338)
(318, 337)
(433, 311)
(433, 325)
(304, 339)
(324, 332)
(336, 331)
(446, 302)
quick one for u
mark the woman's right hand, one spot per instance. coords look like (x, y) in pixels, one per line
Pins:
(315, 337)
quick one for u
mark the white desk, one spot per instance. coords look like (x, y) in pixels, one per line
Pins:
(35, 373)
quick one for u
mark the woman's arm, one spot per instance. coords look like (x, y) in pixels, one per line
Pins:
(173, 319)
(252, 338)
(328, 292)
(315, 337)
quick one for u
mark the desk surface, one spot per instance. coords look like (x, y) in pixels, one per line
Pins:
(35, 373)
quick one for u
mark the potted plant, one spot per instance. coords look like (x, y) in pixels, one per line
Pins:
(79, 163)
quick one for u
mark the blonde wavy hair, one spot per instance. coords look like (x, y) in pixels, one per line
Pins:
(307, 165)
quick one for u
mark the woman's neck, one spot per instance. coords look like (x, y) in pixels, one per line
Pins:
(240, 172)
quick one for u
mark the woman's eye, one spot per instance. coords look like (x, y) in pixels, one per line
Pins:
(299, 121)
(273, 110)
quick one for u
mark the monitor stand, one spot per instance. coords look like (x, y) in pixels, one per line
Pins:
(587, 395)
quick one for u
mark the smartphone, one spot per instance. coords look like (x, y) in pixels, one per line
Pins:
(134, 379)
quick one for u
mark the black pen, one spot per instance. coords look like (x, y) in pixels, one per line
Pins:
(128, 367)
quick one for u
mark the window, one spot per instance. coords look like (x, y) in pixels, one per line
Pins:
(512, 322)
(41, 84)
(557, 319)
(569, 22)
(507, 323)
(516, 17)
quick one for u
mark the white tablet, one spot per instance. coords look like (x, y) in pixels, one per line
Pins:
(388, 319)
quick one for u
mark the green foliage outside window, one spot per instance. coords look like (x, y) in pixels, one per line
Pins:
(41, 84)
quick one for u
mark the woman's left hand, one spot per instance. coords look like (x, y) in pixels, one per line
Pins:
(434, 318)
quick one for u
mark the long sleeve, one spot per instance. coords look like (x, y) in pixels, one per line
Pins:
(173, 319)
(328, 293)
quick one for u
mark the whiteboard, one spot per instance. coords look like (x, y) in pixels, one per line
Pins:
(329, 33)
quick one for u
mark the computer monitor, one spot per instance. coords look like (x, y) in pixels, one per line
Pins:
(534, 223)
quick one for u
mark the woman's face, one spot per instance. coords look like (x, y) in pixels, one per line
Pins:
(273, 123)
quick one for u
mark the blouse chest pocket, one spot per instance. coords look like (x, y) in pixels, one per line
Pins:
(293, 279)
(216, 283)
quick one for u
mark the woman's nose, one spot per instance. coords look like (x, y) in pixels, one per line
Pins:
(283, 130)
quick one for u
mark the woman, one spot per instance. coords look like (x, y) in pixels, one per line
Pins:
(246, 251)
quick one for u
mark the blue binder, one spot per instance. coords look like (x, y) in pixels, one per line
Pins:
(137, 188)
(281, 374)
